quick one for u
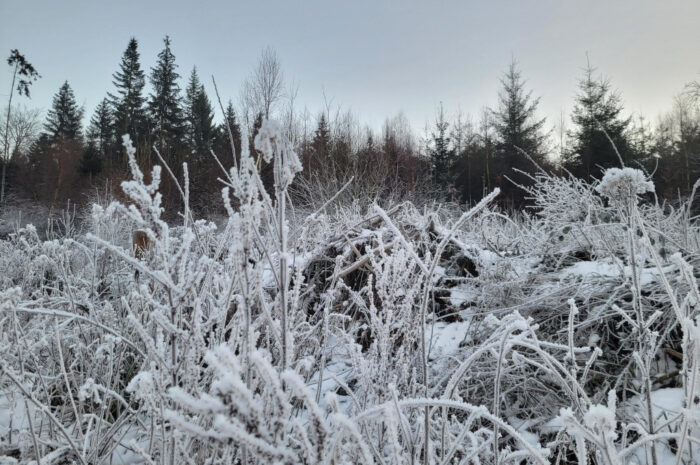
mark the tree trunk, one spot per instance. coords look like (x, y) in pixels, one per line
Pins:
(2, 183)
(6, 149)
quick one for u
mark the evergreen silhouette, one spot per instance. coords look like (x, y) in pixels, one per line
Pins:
(441, 155)
(128, 101)
(517, 130)
(63, 121)
(321, 142)
(231, 122)
(164, 107)
(597, 111)
(200, 130)
(100, 132)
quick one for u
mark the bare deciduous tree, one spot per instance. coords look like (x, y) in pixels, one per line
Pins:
(291, 121)
(27, 75)
(693, 89)
(21, 130)
(264, 88)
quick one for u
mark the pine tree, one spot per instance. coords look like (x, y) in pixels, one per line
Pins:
(128, 102)
(200, 130)
(164, 104)
(100, 133)
(517, 128)
(597, 112)
(441, 155)
(63, 121)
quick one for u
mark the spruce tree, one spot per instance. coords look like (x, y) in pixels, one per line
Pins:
(164, 104)
(322, 140)
(231, 122)
(191, 128)
(63, 121)
(200, 131)
(100, 133)
(204, 114)
(441, 155)
(517, 128)
(597, 111)
(128, 102)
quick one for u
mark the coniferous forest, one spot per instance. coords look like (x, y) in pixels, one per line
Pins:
(66, 157)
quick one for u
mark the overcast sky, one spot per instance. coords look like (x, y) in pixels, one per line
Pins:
(374, 57)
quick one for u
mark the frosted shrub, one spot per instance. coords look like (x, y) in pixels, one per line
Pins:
(620, 185)
(347, 335)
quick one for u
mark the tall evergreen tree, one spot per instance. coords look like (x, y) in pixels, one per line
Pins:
(517, 128)
(191, 126)
(164, 104)
(321, 143)
(441, 155)
(63, 121)
(58, 154)
(235, 127)
(231, 122)
(597, 111)
(128, 102)
(100, 133)
(200, 130)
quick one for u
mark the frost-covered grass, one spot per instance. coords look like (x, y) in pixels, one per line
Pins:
(343, 334)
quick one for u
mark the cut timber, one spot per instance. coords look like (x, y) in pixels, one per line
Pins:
(363, 260)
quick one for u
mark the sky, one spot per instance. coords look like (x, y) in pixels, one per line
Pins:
(376, 58)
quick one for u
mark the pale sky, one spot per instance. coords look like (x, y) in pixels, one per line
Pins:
(374, 57)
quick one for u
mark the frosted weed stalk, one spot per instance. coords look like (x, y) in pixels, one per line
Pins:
(222, 346)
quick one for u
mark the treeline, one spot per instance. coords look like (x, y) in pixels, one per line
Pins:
(510, 143)
(66, 162)
(457, 159)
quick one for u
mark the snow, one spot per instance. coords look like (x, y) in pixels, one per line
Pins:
(524, 428)
(447, 338)
(601, 417)
(619, 184)
(667, 405)
(597, 269)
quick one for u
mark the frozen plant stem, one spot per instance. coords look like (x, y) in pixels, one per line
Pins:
(280, 193)
(644, 345)
(427, 288)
